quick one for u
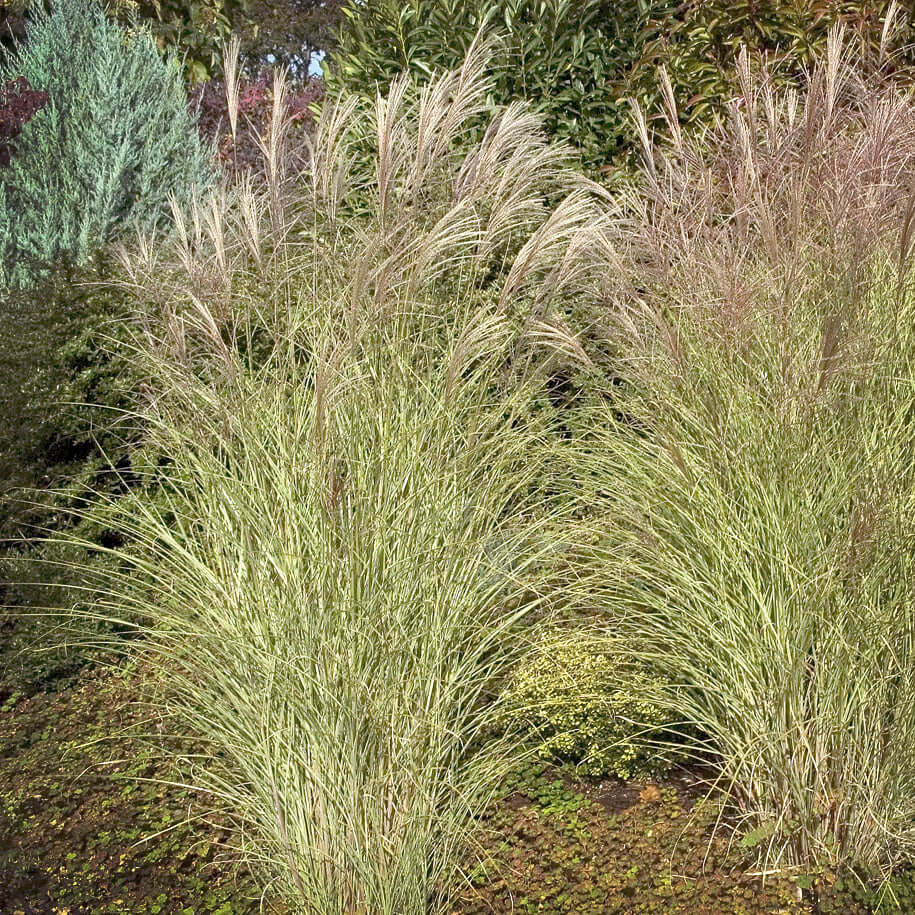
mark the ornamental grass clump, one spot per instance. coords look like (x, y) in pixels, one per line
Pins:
(752, 462)
(344, 387)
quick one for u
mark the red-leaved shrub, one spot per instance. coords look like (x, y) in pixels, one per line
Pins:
(18, 105)
(255, 104)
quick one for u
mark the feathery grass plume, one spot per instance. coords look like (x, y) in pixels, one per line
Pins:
(353, 500)
(752, 463)
(231, 70)
(418, 230)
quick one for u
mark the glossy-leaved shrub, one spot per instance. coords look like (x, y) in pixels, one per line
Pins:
(114, 140)
(582, 62)
(698, 43)
(287, 32)
(569, 59)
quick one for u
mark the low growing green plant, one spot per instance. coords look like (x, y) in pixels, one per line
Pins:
(64, 385)
(63, 438)
(583, 701)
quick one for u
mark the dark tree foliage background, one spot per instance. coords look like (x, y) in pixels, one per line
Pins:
(290, 30)
(295, 29)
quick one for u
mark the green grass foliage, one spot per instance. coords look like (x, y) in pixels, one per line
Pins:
(751, 465)
(382, 451)
(114, 140)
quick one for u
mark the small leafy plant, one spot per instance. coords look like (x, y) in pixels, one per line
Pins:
(585, 702)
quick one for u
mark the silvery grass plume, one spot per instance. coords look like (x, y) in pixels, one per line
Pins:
(408, 209)
(751, 462)
(346, 387)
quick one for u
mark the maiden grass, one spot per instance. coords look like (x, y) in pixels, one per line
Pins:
(325, 593)
(350, 520)
(750, 467)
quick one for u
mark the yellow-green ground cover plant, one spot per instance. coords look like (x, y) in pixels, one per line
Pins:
(748, 455)
(346, 386)
(580, 697)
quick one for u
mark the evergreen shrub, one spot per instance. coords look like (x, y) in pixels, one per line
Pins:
(585, 702)
(113, 142)
(567, 58)
(66, 383)
(581, 63)
(698, 43)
